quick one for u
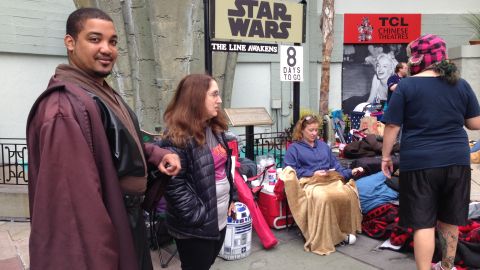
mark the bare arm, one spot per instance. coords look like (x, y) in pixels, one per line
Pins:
(393, 87)
(389, 137)
(473, 123)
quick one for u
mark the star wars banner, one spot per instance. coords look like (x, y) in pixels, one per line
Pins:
(265, 20)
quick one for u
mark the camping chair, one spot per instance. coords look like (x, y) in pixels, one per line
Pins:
(159, 237)
(339, 125)
(279, 191)
(156, 184)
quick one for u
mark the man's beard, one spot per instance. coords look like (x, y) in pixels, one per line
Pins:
(101, 74)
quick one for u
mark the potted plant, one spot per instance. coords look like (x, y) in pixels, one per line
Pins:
(473, 19)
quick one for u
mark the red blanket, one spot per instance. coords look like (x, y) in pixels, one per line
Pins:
(382, 223)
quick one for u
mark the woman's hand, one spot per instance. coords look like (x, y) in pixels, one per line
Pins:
(387, 166)
(320, 173)
(357, 171)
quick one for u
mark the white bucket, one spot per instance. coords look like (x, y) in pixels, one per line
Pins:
(238, 237)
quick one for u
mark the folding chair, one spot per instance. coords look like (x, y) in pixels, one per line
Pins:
(154, 195)
(155, 222)
(155, 189)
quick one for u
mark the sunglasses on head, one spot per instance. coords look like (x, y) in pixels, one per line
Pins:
(309, 117)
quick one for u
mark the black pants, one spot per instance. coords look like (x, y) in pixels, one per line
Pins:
(139, 230)
(199, 254)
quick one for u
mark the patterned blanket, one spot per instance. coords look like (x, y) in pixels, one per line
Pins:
(382, 223)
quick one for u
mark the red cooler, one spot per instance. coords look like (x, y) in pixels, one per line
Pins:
(273, 210)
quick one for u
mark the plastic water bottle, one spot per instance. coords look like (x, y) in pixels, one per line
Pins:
(271, 172)
(272, 176)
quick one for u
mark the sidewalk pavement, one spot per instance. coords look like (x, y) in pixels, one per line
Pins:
(288, 254)
(14, 245)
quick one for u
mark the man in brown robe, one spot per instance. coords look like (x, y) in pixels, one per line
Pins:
(87, 163)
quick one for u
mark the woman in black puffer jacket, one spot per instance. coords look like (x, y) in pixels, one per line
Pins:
(201, 196)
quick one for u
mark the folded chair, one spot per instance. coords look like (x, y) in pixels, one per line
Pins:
(159, 237)
(158, 233)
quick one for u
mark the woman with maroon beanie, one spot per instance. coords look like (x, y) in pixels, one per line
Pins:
(432, 107)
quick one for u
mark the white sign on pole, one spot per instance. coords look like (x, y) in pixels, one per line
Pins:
(291, 63)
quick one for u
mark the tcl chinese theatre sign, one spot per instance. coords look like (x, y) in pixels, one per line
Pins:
(381, 28)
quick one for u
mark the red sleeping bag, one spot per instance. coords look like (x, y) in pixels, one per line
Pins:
(245, 196)
(259, 224)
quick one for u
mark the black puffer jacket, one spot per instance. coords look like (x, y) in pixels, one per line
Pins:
(191, 195)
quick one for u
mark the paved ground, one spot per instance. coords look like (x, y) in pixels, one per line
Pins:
(14, 245)
(288, 254)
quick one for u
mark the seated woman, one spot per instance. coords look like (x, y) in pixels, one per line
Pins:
(325, 209)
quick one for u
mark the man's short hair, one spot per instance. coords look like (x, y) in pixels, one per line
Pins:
(399, 66)
(77, 19)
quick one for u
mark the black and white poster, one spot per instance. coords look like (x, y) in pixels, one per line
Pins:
(365, 71)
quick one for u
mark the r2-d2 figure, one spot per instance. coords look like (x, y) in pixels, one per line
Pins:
(238, 237)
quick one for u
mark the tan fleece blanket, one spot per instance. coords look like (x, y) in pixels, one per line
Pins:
(324, 208)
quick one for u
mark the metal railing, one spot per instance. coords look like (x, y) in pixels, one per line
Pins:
(14, 156)
(273, 144)
(13, 161)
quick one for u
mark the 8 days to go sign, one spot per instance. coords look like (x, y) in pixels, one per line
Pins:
(291, 63)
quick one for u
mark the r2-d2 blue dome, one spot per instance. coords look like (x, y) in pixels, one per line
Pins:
(238, 237)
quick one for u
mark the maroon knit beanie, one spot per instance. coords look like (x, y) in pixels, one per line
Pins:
(425, 51)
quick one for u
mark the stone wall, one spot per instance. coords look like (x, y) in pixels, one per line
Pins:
(160, 43)
(467, 59)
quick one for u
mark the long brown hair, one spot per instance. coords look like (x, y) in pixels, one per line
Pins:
(301, 124)
(447, 71)
(186, 113)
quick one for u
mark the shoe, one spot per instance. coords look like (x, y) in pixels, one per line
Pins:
(349, 240)
(438, 266)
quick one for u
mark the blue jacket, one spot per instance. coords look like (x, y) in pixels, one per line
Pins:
(306, 159)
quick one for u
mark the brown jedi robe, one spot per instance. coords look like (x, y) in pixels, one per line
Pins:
(78, 217)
